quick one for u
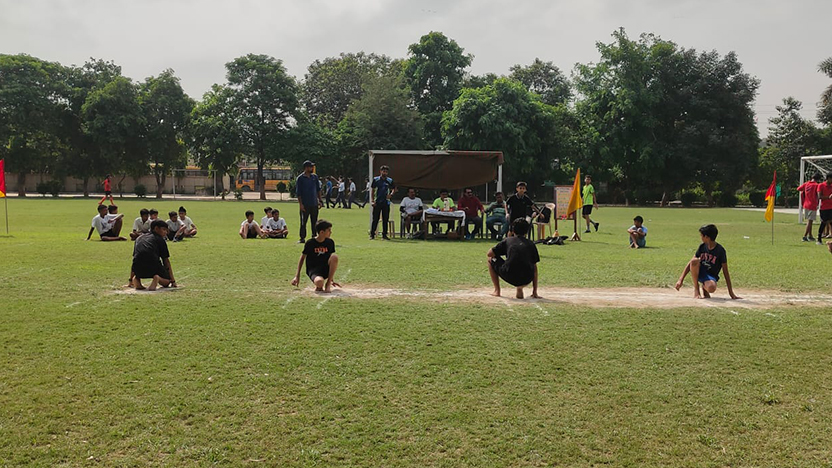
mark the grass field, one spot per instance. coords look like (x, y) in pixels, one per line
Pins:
(239, 369)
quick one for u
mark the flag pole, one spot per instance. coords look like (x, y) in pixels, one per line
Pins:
(772, 227)
(6, 202)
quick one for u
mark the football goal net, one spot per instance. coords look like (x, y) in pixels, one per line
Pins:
(809, 166)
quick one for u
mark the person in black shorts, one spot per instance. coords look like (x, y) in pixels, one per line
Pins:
(518, 206)
(710, 259)
(321, 261)
(151, 258)
(520, 266)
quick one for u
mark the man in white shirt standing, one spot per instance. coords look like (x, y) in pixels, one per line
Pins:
(340, 199)
(411, 209)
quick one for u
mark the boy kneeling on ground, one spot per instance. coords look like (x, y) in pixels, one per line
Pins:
(151, 258)
(520, 266)
(705, 266)
(321, 261)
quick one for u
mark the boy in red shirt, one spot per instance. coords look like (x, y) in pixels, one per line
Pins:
(809, 191)
(825, 197)
(108, 191)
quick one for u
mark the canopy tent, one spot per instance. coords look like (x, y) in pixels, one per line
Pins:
(439, 169)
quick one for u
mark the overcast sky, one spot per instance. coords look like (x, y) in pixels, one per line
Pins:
(780, 42)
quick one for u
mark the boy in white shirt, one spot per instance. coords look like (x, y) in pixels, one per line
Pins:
(190, 227)
(175, 227)
(249, 229)
(275, 227)
(265, 219)
(104, 225)
(141, 225)
(411, 209)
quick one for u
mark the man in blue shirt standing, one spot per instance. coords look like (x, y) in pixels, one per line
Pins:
(381, 189)
(308, 192)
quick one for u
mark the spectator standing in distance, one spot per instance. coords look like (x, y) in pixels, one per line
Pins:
(809, 189)
(590, 202)
(381, 189)
(309, 198)
(825, 197)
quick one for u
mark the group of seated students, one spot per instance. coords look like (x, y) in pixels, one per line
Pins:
(271, 226)
(108, 223)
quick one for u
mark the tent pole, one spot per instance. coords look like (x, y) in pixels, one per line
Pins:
(500, 178)
(370, 193)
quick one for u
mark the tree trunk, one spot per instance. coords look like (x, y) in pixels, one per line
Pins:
(21, 184)
(85, 181)
(260, 179)
(160, 184)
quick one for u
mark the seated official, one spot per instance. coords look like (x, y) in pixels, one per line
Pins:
(471, 205)
(411, 209)
(443, 203)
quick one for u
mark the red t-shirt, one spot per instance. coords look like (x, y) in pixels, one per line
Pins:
(106, 185)
(810, 195)
(470, 205)
(824, 191)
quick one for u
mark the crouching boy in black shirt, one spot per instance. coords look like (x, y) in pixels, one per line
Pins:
(321, 261)
(706, 265)
(520, 266)
(151, 258)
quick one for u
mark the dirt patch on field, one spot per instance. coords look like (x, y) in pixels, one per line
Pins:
(658, 298)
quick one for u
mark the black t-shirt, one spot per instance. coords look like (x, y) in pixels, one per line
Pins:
(317, 254)
(521, 255)
(150, 248)
(518, 207)
(712, 260)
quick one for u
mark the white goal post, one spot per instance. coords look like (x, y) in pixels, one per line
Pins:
(809, 166)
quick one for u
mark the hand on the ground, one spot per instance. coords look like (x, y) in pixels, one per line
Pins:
(734, 296)
(678, 285)
(295, 281)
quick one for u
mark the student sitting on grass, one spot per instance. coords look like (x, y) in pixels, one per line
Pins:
(116, 219)
(705, 266)
(321, 261)
(153, 213)
(275, 227)
(638, 233)
(520, 266)
(249, 229)
(151, 258)
(141, 225)
(104, 226)
(190, 227)
(175, 227)
(265, 219)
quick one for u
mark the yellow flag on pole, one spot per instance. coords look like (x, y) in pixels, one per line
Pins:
(575, 202)
(771, 195)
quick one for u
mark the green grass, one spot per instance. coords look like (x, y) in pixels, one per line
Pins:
(237, 370)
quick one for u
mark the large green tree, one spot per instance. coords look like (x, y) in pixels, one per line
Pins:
(31, 105)
(505, 116)
(265, 106)
(332, 84)
(434, 71)
(544, 79)
(825, 111)
(167, 110)
(790, 137)
(214, 135)
(381, 119)
(659, 117)
(114, 125)
(82, 157)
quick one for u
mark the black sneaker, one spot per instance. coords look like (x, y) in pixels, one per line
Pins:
(587, 231)
(596, 227)
(820, 243)
(372, 237)
(385, 237)
(811, 239)
(805, 239)
(301, 241)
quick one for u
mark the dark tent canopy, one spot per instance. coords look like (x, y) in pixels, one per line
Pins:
(439, 169)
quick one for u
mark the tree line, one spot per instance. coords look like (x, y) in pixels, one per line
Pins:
(650, 118)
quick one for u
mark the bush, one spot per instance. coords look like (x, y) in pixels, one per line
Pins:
(281, 187)
(238, 194)
(725, 199)
(292, 183)
(55, 187)
(42, 188)
(140, 190)
(688, 198)
(757, 199)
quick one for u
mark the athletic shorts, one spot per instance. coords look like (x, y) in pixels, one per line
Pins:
(109, 233)
(810, 215)
(108, 193)
(640, 241)
(499, 267)
(322, 272)
(587, 210)
(252, 234)
(705, 276)
(149, 269)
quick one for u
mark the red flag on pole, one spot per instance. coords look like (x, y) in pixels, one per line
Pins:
(2, 178)
(771, 195)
